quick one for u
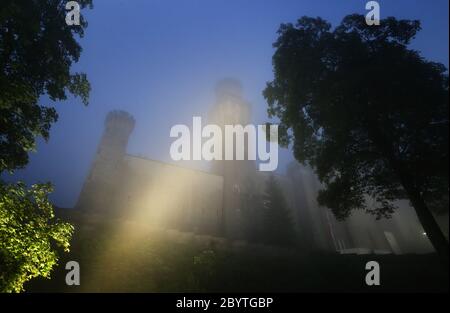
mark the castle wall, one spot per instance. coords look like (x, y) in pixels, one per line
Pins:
(169, 196)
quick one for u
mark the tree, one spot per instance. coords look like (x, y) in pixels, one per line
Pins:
(28, 233)
(277, 224)
(37, 49)
(369, 114)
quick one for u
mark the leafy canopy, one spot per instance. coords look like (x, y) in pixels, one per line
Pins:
(278, 228)
(367, 112)
(37, 49)
(28, 235)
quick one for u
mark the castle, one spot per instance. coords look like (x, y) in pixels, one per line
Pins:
(215, 202)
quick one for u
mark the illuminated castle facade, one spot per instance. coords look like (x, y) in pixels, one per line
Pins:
(216, 202)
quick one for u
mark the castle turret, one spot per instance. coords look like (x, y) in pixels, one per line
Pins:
(231, 109)
(104, 175)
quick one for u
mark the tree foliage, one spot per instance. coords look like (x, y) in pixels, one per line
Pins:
(37, 49)
(277, 227)
(367, 112)
(29, 233)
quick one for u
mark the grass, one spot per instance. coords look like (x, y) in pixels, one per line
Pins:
(120, 256)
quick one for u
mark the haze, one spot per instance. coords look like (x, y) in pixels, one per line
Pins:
(160, 60)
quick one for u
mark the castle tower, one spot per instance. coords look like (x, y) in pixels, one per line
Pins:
(231, 109)
(104, 175)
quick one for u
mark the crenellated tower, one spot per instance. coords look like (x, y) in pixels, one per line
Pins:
(232, 109)
(104, 176)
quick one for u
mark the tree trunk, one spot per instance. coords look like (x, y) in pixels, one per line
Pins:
(426, 218)
(431, 227)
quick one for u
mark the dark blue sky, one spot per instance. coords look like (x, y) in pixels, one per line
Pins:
(160, 59)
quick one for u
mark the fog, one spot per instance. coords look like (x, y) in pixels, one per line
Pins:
(146, 221)
(160, 61)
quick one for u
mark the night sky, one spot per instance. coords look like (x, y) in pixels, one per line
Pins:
(160, 60)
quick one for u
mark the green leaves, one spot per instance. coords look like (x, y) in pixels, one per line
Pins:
(28, 232)
(37, 50)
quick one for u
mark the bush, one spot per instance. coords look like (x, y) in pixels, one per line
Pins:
(29, 235)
